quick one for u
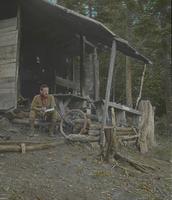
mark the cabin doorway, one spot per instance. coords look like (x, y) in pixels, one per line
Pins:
(35, 66)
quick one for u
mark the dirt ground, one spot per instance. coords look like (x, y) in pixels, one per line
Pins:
(74, 171)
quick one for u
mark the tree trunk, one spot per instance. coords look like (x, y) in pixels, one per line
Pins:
(169, 98)
(146, 126)
(90, 4)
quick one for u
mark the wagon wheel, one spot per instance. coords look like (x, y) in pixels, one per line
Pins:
(73, 122)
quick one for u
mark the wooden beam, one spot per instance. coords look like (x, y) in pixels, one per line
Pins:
(66, 83)
(82, 56)
(96, 75)
(86, 41)
(108, 89)
(90, 43)
(124, 108)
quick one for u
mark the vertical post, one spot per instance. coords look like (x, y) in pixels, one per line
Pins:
(90, 8)
(114, 85)
(141, 87)
(108, 89)
(82, 56)
(129, 100)
(96, 75)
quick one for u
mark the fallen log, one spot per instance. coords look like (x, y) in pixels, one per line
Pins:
(139, 166)
(28, 146)
(82, 138)
(24, 121)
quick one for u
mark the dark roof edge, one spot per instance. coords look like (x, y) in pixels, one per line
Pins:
(133, 52)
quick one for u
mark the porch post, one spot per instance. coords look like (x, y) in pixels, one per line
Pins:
(82, 56)
(96, 75)
(108, 89)
(129, 100)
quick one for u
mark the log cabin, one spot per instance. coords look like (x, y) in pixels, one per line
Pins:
(41, 42)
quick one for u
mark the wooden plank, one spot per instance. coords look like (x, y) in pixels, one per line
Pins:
(7, 91)
(8, 54)
(124, 108)
(124, 129)
(7, 100)
(8, 70)
(7, 85)
(66, 83)
(123, 137)
(8, 29)
(7, 80)
(5, 23)
(8, 38)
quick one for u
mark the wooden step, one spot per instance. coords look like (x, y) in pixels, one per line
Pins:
(94, 132)
(125, 133)
(24, 121)
(128, 137)
(124, 129)
(95, 126)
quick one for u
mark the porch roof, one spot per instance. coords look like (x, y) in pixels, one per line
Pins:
(56, 18)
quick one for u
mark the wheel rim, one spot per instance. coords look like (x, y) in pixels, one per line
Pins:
(68, 123)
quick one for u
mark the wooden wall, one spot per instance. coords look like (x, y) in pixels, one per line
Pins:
(8, 59)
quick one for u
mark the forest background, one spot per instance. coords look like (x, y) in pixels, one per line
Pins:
(146, 24)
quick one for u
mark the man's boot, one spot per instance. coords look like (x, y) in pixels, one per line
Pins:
(52, 129)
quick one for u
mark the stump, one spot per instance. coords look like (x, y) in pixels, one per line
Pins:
(146, 126)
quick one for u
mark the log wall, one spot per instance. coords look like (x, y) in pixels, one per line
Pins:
(8, 59)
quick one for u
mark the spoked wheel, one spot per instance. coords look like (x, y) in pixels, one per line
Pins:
(73, 122)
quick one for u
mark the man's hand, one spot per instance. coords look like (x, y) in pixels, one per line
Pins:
(42, 111)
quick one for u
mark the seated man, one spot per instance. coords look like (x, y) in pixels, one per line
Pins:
(39, 107)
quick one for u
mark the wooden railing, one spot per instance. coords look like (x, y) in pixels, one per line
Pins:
(124, 116)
